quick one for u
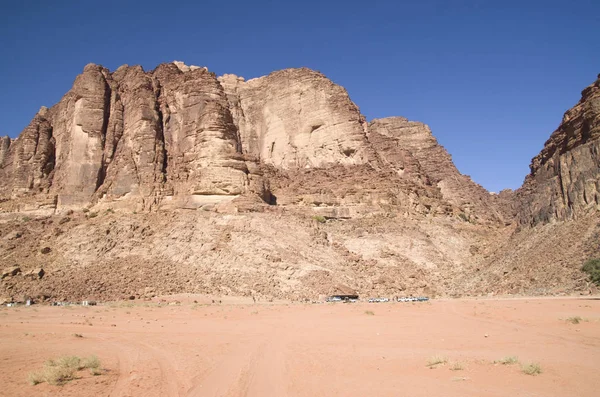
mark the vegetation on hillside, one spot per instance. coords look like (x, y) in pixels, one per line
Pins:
(592, 268)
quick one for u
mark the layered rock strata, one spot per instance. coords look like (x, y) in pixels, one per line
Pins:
(564, 182)
(179, 137)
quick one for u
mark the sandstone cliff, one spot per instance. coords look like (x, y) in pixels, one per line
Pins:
(295, 195)
(564, 182)
(180, 137)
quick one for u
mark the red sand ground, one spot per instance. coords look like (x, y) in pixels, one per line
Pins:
(309, 350)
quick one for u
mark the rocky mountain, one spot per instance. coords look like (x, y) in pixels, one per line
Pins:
(564, 182)
(177, 180)
(181, 137)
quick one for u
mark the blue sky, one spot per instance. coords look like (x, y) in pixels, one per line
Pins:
(491, 78)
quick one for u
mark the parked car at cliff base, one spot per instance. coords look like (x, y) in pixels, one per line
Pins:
(413, 299)
(377, 300)
(342, 298)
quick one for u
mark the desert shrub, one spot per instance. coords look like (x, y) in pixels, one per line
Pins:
(508, 360)
(66, 362)
(92, 214)
(436, 360)
(369, 313)
(532, 369)
(592, 268)
(63, 369)
(35, 378)
(319, 218)
(91, 362)
(456, 366)
(574, 320)
(58, 375)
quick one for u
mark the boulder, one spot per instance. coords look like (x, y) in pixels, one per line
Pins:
(11, 271)
(35, 274)
(13, 235)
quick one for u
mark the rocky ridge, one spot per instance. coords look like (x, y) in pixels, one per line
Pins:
(564, 182)
(181, 137)
(140, 183)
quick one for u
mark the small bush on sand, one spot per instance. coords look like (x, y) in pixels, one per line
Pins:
(91, 362)
(436, 360)
(64, 369)
(369, 313)
(73, 362)
(456, 366)
(575, 320)
(58, 375)
(35, 378)
(592, 268)
(508, 360)
(319, 218)
(532, 369)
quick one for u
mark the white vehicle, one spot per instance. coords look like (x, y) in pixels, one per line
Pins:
(377, 300)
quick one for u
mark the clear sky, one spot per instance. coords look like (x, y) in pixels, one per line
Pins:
(491, 78)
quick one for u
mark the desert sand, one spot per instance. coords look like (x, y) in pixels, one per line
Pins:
(333, 349)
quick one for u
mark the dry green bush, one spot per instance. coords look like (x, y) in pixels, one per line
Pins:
(592, 268)
(319, 218)
(456, 366)
(508, 360)
(64, 369)
(436, 360)
(532, 369)
(575, 320)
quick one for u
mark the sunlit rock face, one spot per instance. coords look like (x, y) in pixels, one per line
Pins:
(564, 182)
(181, 137)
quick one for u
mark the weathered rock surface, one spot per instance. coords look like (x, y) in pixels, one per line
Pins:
(179, 137)
(411, 150)
(29, 160)
(297, 195)
(564, 182)
(5, 142)
(297, 118)
(10, 271)
(135, 139)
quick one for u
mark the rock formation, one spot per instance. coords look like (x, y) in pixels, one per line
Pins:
(564, 182)
(316, 199)
(179, 137)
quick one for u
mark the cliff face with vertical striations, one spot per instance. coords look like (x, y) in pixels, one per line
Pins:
(181, 137)
(564, 182)
(293, 193)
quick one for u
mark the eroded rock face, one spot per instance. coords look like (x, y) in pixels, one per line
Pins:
(28, 161)
(79, 124)
(564, 182)
(297, 118)
(411, 150)
(5, 142)
(181, 137)
(136, 139)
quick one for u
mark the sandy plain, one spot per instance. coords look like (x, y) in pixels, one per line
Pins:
(240, 348)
